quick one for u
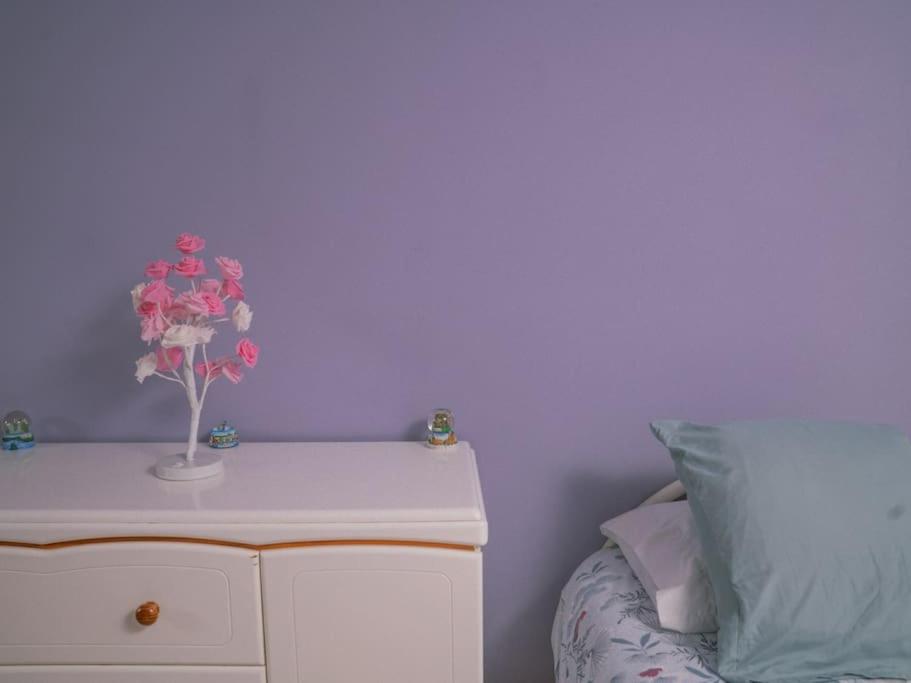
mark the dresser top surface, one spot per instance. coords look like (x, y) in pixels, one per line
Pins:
(289, 483)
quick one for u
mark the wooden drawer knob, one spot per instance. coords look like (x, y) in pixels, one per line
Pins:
(147, 613)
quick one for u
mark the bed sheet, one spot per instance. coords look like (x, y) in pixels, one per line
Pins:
(606, 631)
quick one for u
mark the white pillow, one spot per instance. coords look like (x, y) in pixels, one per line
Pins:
(660, 544)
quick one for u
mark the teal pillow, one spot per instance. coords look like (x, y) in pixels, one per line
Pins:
(806, 530)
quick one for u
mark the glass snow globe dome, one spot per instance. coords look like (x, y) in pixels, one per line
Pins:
(441, 428)
(17, 431)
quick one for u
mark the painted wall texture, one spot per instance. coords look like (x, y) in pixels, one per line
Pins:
(561, 219)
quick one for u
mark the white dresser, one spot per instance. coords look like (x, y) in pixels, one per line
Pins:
(303, 563)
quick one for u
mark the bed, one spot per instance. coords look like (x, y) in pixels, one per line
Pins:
(606, 627)
(606, 631)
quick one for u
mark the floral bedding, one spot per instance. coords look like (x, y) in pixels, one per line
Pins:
(606, 631)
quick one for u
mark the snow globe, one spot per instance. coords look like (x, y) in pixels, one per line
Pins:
(223, 436)
(441, 426)
(17, 431)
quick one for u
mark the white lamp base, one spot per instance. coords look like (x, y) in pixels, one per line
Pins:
(176, 467)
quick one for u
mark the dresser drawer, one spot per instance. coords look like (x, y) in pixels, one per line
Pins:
(78, 605)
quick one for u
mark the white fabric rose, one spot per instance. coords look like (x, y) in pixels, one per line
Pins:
(145, 366)
(136, 293)
(186, 335)
(242, 317)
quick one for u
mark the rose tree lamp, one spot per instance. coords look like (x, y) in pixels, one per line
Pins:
(177, 326)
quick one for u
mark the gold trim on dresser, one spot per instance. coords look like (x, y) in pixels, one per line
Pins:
(234, 544)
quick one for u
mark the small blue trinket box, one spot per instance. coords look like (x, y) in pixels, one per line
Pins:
(223, 436)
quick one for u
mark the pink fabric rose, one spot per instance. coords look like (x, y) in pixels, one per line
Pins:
(214, 304)
(174, 357)
(190, 244)
(157, 292)
(190, 266)
(152, 327)
(221, 366)
(248, 352)
(146, 308)
(230, 268)
(180, 322)
(231, 370)
(209, 370)
(212, 286)
(193, 303)
(158, 270)
(232, 289)
(176, 312)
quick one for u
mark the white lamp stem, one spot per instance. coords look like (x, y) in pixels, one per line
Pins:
(189, 465)
(195, 404)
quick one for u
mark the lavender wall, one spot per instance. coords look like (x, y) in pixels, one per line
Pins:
(560, 219)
